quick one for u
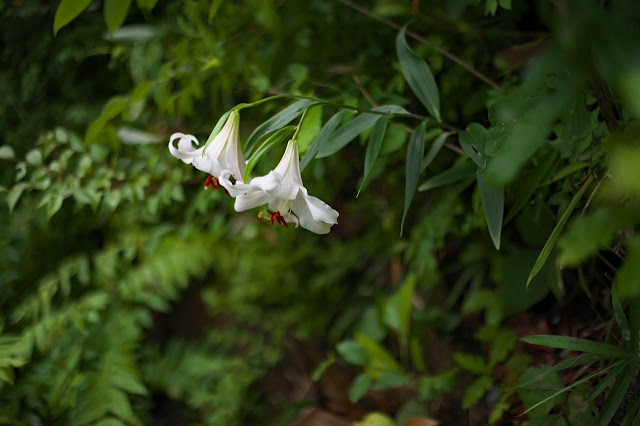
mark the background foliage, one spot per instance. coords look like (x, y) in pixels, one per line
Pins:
(130, 295)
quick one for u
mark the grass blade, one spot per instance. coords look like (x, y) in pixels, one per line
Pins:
(577, 344)
(551, 242)
(616, 394)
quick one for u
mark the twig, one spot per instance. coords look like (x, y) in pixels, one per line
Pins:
(419, 38)
(586, 206)
(364, 91)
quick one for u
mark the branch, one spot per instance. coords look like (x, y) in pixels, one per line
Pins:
(419, 38)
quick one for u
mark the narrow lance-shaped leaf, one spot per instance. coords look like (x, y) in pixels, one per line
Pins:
(577, 344)
(324, 135)
(434, 149)
(373, 147)
(616, 395)
(415, 154)
(562, 365)
(453, 175)
(271, 142)
(493, 207)
(551, 242)
(67, 11)
(574, 384)
(418, 76)
(276, 122)
(618, 313)
(349, 131)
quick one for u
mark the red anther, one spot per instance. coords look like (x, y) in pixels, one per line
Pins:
(213, 183)
(208, 182)
(277, 217)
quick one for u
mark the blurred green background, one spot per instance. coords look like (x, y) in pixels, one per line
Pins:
(129, 295)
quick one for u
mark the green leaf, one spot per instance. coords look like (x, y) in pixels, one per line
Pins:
(634, 324)
(273, 140)
(349, 131)
(359, 387)
(353, 352)
(434, 149)
(577, 344)
(391, 379)
(115, 12)
(627, 279)
(618, 313)
(530, 184)
(380, 360)
(147, 4)
(542, 395)
(310, 127)
(476, 390)
(523, 135)
(111, 109)
(473, 142)
(418, 75)
(373, 147)
(616, 394)
(6, 152)
(415, 154)
(562, 365)
(322, 367)
(67, 11)
(397, 310)
(216, 129)
(112, 199)
(431, 387)
(276, 122)
(605, 382)
(453, 175)
(14, 195)
(551, 242)
(54, 204)
(493, 207)
(474, 363)
(505, 4)
(34, 157)
(325, 133)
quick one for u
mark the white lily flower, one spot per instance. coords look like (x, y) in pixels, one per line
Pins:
(283, 191)
(222, 154)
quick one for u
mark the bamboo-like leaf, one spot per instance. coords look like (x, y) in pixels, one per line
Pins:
(415, 153)
(493, 206)
(67, 11)
(271, 142)
(418, 76)
(473, 141)
(577, 344)
(551, 242)
(373, 147)
(349, 131)
(616, 394)
(526, 190)
(434, 149)
(324, 135)
(453, 175)
(276, 122)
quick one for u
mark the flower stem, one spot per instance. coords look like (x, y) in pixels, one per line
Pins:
(300, 124)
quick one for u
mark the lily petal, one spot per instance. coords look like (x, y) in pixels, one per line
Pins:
(301, 209)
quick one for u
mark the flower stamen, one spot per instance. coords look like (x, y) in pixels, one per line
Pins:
(214, 183)
(277, 217)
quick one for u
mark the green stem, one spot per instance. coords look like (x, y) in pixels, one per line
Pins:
(347, 107)
(299, 124)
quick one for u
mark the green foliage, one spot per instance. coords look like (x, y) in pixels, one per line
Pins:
(129, 292)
